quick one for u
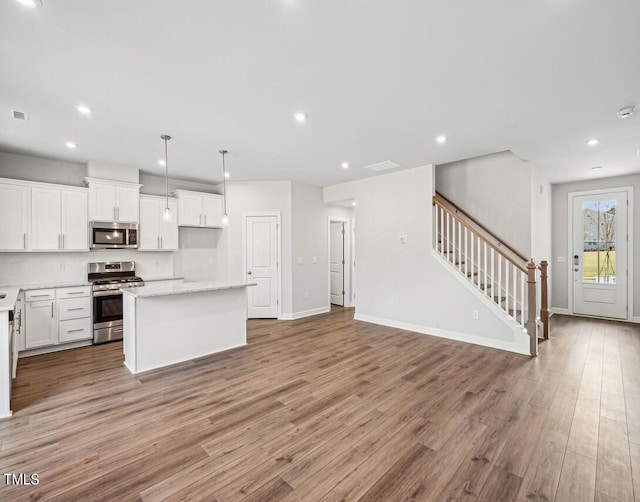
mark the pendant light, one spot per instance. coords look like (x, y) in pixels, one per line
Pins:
(225, 216)
(166, 213)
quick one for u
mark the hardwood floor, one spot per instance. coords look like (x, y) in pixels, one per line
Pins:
(328, 409)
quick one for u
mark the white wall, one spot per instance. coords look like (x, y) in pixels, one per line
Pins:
(560, 233)
(541, 225)
(24, 167)
(310, 249)
(494, 190)
(403, 284)
(243, 197)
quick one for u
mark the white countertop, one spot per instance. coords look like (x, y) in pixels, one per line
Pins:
(170, 278)
(178, 288)
(9, 301)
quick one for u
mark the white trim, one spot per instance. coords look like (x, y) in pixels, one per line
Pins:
(630, 249)
(558, 310)
(636, 318)
(305, 313)
(278, 237)
(520, 346)
(348, 259)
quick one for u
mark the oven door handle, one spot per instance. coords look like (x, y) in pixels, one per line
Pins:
(101, 294)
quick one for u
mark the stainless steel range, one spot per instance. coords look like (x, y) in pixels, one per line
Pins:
(108, 279)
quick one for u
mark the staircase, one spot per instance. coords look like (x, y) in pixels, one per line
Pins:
(496, 271)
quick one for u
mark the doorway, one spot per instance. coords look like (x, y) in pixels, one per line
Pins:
(600, 273)
(340, 261)
(262, 264)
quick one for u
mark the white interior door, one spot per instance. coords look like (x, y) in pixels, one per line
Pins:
(599, 255)
(261, 241)
(336, 262)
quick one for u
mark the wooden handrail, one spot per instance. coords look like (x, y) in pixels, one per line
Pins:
(487, 236)
(441, 198)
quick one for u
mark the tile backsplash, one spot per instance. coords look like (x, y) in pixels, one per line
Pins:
(34, 268)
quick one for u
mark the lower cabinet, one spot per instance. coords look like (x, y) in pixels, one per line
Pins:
(41, 324)
(57, 316)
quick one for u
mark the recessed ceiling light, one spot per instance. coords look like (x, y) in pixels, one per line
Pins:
(162, 162)
(345, 165)
(300, 116)
(353, 203)
(596, 168)
(626, 112)
(71, 145)
(593, 142)
(30, 3)
(84, 109)
(441, 139)
(226, 175)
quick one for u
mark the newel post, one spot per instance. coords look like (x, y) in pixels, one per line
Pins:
(544, 306)
(531, 310)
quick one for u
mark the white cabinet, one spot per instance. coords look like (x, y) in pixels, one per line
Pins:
(56, 316)
(113, 201)
(59, 219)
(14, 217)
(41, 324)
(156, 234)
(199, 209)
(75, 220)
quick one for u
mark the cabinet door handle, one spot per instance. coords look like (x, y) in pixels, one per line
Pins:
(205, 219)
(58, 241)
(39, 296)
(62, 241)
(114, 212)
(118, 212)
(52, 310)
(161, 243)
(75, 330)
(200, 220)
(24, 241)
(76, 308)
(158, 242)
(75, 293)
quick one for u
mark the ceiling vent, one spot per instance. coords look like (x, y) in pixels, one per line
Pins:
(382, 166)
(19, 115)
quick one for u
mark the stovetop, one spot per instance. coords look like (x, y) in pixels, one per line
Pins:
(107, 276)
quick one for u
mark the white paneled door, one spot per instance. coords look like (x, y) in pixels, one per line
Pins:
(261, 241)
(599, 256)
(336, 262)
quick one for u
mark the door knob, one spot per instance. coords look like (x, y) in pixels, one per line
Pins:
(249, 272)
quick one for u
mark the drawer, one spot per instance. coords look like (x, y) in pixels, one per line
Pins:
(36, 295)
(74, 330)
(74, 308)
(77, 292)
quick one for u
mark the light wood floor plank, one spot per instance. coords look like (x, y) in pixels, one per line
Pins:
(328, 408)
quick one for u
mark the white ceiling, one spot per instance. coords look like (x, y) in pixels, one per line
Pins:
(378, 79)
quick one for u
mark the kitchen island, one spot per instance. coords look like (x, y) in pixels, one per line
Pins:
(169, 323)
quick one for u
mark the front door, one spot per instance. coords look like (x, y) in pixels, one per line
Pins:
(261, 242)
(336, 262)
(599, 255)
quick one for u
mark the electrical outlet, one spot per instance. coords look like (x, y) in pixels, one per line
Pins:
(476, 315)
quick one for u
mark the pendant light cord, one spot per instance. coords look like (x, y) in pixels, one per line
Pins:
(166, 170)
(224, 180)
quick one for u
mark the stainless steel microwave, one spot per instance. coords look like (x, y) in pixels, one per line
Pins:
(112, 235)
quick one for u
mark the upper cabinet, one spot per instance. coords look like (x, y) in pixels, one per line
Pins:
(14, 216)
(155, 233)
(199, 209)
(59, 219)
(113, 200)
(42, 217)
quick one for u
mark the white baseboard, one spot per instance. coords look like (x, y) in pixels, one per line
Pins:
(305, 313)
(558, 310)
(520, 346)
(635, 318)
